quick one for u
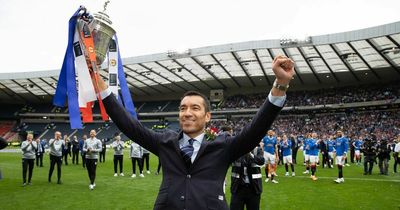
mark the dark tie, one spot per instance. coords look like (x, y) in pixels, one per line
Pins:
(187, 151)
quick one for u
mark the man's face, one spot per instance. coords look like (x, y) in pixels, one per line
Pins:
(57, 135)
(339, 133)
(314, 135)
(270, 133)
(29, 137)
(193, 116)
(284, 137)
(92, 133)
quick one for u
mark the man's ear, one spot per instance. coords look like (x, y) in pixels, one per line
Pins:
(208, 117)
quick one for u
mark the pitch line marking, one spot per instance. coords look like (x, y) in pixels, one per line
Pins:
(353, 178)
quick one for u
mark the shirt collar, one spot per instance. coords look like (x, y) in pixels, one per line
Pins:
(198, 138)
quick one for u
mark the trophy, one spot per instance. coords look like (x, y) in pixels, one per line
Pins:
(91, 40)
(95, 34)
(98, 26)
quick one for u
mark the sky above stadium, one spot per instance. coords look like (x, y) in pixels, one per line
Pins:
(34, 32)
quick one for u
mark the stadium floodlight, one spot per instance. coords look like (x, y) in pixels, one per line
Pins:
(394, 50)
(178, 53)
(171, 53)
(294, 42)
(29, 86)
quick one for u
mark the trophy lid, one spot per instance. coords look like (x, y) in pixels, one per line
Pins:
(101, 30)
(102, 16)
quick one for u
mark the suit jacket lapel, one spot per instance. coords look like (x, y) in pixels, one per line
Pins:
(203, 146)
(176, 145)
(178, 150)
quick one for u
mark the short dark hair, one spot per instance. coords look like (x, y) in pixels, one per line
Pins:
(196, 93)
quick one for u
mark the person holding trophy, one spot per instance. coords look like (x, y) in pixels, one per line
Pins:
(194, 165)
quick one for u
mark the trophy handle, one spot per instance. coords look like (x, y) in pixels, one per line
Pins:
(84, 14)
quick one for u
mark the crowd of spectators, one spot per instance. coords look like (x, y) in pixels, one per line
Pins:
(384, 124)
(319, 97)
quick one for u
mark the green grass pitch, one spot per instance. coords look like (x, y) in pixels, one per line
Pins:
(300, 192)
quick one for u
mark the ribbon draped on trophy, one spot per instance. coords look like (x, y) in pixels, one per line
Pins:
(91, 40)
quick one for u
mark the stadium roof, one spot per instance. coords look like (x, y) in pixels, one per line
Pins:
(359, 56)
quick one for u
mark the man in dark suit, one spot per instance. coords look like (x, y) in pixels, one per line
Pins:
(323, 146)
(194, 166)
(39, 152)
(295, 147)
(75, 151)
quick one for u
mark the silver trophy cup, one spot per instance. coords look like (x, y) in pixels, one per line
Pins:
(100, 28)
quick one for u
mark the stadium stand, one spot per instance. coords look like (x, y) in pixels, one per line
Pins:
(356, 120)
(172, 106)
(6, 127)
(87, 128)
(320, 96)
(349, 79)
(383, 123)
(156, 106)
(8, 111)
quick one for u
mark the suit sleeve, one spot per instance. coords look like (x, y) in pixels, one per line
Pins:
(130, 126)
(254, 131)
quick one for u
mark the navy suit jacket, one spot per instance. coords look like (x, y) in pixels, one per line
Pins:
(199, 186)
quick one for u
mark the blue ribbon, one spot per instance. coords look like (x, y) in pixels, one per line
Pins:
(66, 86)
(126, 96)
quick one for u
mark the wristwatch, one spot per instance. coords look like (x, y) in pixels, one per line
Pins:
(280, 86)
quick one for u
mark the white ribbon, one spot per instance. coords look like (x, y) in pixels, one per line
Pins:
(113, 81)
(86, 92)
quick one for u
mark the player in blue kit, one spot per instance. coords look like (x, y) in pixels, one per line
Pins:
(270, 155)
(313, 146)
(286, 147)
(306, 152)
(357, 147)
(331, 150)
(341, 146)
